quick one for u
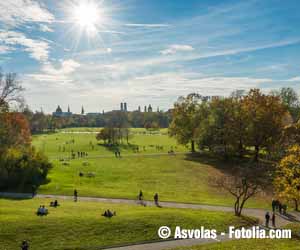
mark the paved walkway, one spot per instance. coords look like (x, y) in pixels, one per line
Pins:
(161, 245)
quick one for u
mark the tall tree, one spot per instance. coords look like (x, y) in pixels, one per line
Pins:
(10, 90)
(287, 180)
(185, 119)
(290, 99)
(264, 115)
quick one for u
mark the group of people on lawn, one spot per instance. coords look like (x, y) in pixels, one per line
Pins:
(42, 210)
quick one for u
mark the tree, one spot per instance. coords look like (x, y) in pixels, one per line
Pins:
(242, 183)
(264, 115)
(22, 168)
(20, 165)
(222, 126)
(185, 120)
(106, 135)
(14, 131)
(287, 180)
(10, 90)
(290, 100)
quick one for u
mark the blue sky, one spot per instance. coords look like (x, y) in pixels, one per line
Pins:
(147, 51)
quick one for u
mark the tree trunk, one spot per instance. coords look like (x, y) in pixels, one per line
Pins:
(256, 152)
(241, 149)
(236, 207)
(296, 205)
(193, 146)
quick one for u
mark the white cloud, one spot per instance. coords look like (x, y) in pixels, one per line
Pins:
(173, 49)
(66, 67)
(294, 79)
(17, 12)
(59, 75)
(45, 28)
(5, 49)
(37, 49)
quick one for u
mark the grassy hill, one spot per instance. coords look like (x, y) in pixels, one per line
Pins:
(80, 225)
(177, 178)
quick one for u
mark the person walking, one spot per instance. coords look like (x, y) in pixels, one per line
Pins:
(140, 195)
(75, 195)
(273, 220)
(273, 205)
(33, 190)
(280, 207)
(267, 217)
(156, 199)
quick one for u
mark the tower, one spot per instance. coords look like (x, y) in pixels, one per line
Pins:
(121, 106)
(139, 108)
(125, 106)
(82, 110)
(69, 109)
(58, 110)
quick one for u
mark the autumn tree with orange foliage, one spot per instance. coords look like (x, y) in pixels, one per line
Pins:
(21, 166)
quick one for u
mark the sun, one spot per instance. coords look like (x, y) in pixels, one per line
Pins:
(87, 15)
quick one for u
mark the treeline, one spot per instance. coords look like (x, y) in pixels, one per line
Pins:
(242, 124)
(40, 122)
(22, 168)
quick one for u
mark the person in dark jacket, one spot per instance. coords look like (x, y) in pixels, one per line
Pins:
(267, 217)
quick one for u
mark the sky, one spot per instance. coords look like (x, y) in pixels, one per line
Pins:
(99, 53)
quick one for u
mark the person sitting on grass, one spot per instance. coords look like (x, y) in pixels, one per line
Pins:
(24, 245)
(39, 211)
(109, 214)
(42, 211)
(54, 203)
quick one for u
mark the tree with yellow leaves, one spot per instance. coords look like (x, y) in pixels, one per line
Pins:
(287, 180)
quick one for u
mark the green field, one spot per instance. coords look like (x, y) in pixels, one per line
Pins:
(60, 144)
(176, 178)
(80, 225)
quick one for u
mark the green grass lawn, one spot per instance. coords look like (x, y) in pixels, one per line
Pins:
(80, 225)
(175, 178)
(60, 144)
(255, 244)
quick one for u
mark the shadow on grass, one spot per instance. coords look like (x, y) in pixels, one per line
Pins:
(227, 166)
(22, 192)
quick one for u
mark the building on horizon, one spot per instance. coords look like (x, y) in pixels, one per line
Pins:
(123, 106)
(60, 113)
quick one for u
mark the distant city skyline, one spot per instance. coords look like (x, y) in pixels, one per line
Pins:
(99, 53)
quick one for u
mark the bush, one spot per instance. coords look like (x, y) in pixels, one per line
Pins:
(22, 168)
